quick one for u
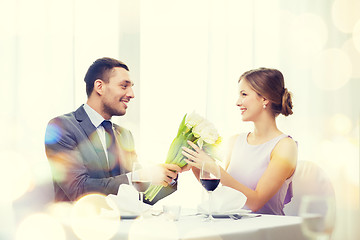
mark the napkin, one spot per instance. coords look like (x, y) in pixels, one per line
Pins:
(224, 200)
(126, 202)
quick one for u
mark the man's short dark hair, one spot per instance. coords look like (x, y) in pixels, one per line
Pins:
(100, 69)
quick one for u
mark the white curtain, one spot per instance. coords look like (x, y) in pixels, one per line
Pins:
(183, 56)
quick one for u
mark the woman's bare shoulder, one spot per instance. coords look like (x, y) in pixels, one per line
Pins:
(287, 149)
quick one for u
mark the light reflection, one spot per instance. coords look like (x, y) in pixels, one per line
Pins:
(356, 36)
(354, 55)
(60, 210)
(89, 221)
(22, 183)
(340, 157)
(52, 134)
(59, 165)
(40, 226)
(345, 14)
(331, 69)
(340, 124)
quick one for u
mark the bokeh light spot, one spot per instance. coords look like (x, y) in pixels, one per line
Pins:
(345, 14)
(88, 220)
(356, 36)
(340, 124)
(59, 164)
(303, 36)
(354, 55)
(60, 210)
(40, 226)
(331, 69)
(52, 134)
(309, 34)
(17, 186)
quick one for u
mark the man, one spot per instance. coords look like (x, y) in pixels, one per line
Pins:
(88, 154)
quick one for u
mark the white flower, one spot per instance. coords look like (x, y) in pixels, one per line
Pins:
(193, 120)
(206, 131)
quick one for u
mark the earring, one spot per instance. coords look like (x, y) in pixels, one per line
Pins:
(264, 106)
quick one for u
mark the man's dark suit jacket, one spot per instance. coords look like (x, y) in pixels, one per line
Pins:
(78, 162)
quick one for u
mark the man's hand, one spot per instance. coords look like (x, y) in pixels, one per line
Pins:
(162, 174)
(186, 168)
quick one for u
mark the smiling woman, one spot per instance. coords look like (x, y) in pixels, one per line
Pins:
(261, 163)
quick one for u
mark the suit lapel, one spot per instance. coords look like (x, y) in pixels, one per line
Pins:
(126, 154)
(90, 131)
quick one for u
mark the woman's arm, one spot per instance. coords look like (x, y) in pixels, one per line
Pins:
(230, 150)
(282, 165)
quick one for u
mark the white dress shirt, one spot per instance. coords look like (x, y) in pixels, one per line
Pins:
(96, 119)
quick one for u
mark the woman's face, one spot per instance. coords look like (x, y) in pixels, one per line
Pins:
(250, 103)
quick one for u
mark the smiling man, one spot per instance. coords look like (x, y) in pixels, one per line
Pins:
(90, 154)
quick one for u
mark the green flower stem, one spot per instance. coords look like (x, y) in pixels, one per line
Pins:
(175, 156)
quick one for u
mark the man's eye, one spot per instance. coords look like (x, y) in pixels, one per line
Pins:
(243, 94)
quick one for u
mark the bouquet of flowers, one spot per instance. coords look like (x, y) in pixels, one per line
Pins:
(193, 128)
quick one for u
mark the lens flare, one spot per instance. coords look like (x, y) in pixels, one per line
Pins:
(52, 134)
(40, 226)
(331, 69)
(89, 221)
(59, 164)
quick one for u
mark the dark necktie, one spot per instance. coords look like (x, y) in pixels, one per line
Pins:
(111, 148)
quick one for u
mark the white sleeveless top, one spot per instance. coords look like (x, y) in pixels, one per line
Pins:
(247, 165)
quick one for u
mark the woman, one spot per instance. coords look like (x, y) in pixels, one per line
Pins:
(260, 164)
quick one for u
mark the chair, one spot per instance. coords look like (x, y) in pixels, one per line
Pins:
(309, 179)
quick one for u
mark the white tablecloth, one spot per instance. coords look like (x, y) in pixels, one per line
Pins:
(266, 227)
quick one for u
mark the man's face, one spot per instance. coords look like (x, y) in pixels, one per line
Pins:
(117, 92)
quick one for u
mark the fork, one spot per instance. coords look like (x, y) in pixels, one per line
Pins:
(235, 216)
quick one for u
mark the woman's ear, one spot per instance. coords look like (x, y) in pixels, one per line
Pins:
(99, 86)
(265, 101)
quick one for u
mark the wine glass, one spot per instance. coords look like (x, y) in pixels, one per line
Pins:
(318, 213)
(210, 179)
(140, 180)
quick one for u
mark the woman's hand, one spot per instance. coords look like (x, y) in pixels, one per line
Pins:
(197, 157)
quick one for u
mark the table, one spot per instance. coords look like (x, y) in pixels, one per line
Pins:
(192, 227)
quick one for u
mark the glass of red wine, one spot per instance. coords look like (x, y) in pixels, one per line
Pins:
(210, 179)
(140, 180)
